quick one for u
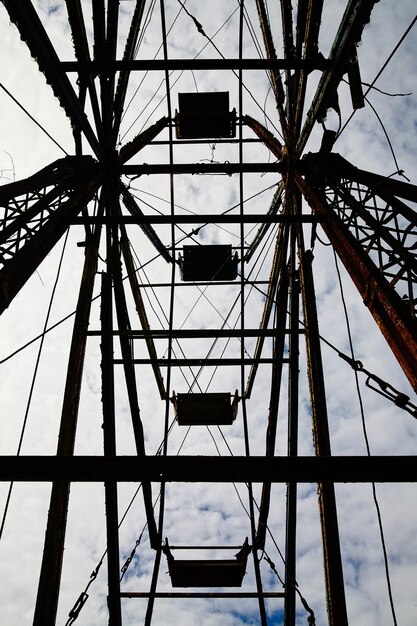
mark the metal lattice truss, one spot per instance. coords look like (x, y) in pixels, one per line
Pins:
(374, 233)
(36, 212)
(384, 229)
(383, 225)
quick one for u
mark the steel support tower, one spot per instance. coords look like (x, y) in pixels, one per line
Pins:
(244, 321)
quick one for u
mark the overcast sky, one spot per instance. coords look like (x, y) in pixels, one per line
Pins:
(206, 514)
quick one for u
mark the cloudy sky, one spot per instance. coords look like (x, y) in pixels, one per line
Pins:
(205, 514)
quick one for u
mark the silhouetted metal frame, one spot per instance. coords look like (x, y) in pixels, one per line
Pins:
(356, 16)
(65, 468)
(258, 577)
(51, 567)
(33, 33)
(211, 469)
(123, 324)
(335, 591)
(158, 553)
(275, 393)
(308, 27)
(82, 53)
(388, 309)
(51, 214)
(109, 437)
(292, 435)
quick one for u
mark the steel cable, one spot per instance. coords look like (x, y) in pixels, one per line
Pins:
(368, 450)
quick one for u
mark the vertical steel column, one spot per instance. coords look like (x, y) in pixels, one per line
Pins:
(276, 82)
(335, 591)
(258, 578)
(157, 562)
(292, 449)
(50, 575)
(278, 355)
(109, 435)
(154, 581)
(130, 377)
(140, 308)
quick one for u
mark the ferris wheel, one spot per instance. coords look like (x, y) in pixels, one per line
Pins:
(208, 295)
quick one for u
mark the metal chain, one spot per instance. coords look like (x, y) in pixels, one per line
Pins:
(384, 388)
(132, 554)
(83, 597)
(311, 620)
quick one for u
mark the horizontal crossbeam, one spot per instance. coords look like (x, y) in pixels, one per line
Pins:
(199, 333)
(340, 469)
(146, 65)
(201, 594)
(208, 218)
(145, 169)
(199, 362)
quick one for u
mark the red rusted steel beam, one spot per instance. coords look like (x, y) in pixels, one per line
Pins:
(387, 307)
(356, 15)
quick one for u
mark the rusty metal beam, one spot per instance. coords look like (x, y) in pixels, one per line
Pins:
(271, 54)
(141, 140)
(105, 74)
(356, 16)
(201, 594)
(18, 224)
(287, 28)
(207, 218)
(33, 33)
(381, 223)
(278, 267)
(18, 270)
(307, 46)
(112, 22)
(292, 434)
(264, 135)
(200, 333)
(384, 186)
(50, 574)
(294, 82)
(158, 65)
(145, 169)
(112, 27)
(263, 229)
(333, 569)
(255, 469)
(131, 385)
(223, 362)
(128, 55)
(82, 53)
(109, 441)
(289, 51)
(99, 26)
(51, 174)
(275, 392)
(373, 225)
(141, 311)
(22, 201)
(132, 206)
(388, 309)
